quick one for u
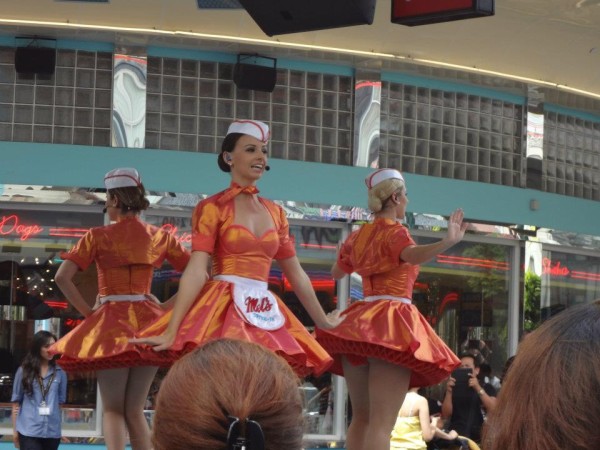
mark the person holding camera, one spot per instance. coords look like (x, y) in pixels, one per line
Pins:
(466, 400)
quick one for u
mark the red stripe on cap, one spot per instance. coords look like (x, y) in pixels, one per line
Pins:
(262, 133)
(369, 180)
(137, 182)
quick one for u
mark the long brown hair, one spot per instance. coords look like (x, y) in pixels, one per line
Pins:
(33, 360)
(227, 378)
(549, 400)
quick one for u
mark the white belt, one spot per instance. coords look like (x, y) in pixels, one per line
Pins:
(243, 281)
(123, 298)
(372, 298)
(254, 302)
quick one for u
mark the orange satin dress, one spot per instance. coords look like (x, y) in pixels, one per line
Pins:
(386, 329)
(237, 251)
(126, 254)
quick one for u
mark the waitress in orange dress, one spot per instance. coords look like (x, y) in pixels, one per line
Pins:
(126, 253)
(384, 344)
(243, 233)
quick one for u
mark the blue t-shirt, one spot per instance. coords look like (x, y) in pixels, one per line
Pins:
(29, 421)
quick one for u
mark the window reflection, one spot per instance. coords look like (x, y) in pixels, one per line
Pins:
(464, 294)
(567, 279)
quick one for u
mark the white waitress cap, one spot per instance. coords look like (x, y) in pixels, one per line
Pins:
(254, 128)
(122, 177)
(381, 175)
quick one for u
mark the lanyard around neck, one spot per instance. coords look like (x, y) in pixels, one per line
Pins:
(45, 389)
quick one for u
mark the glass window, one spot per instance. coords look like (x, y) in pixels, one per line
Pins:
(567, 279)
(464, 294)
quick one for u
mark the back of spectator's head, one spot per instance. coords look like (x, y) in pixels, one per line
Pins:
(229, 387)
(549, 398)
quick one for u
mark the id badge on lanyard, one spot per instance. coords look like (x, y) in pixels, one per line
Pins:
(44, 409)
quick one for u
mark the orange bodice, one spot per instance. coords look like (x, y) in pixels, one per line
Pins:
(374, 252)
(126, 254)
(235, 249)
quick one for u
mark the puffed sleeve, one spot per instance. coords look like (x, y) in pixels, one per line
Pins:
(344, 260)
(398, 240)
(84, 252)
(17, 392)
(205, 226)
(177, 255)
(287, 249)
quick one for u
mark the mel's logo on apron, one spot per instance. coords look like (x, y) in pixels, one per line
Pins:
(258, 305)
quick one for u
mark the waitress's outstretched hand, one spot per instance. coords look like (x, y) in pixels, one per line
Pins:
(158, 343)
(456, 226)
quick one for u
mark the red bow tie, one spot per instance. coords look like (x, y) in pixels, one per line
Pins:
(234, 190)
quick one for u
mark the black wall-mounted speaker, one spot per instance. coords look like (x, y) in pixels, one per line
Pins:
(254, 76)
(35, 61)
(294, 16)
(424, 12)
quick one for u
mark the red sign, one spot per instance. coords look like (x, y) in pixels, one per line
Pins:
(403, 8)
(72, 323)
(11, 225)
(555, 270)
(183, 238)
(423, 12)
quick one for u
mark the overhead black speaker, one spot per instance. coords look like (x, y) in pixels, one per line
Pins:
(35, 61)
(258, 77)
(294, 16)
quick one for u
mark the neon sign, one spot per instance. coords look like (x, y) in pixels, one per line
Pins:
(72, 323)
(183, 238)
(555, 270)
(473, 262)
(12, 225)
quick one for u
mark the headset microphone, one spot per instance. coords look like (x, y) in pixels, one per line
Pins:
(267, 168)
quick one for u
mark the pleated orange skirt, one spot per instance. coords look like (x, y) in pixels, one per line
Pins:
(101, 341)
(213, 316)
(395, 332)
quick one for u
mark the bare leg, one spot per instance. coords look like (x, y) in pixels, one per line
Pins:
(357, 378)
(112, 384)
(138, 384)
(388, 384)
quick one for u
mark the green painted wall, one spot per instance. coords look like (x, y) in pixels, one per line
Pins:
(175, 171)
